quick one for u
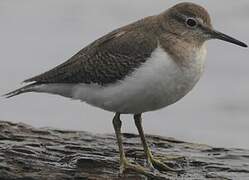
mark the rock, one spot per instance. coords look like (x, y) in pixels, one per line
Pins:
(27, 153)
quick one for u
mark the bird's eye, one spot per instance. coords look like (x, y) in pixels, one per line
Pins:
(191, 22)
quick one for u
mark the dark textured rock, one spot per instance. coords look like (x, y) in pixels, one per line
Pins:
(27, 153)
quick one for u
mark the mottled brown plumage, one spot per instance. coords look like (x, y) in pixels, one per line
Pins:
(119, 53)
(108, 59)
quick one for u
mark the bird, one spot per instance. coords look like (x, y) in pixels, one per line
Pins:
(141, 67)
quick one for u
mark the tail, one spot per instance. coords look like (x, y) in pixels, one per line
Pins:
(22, 90)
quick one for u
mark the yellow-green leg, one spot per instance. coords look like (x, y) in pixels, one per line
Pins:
(152, 162)
(124, 164)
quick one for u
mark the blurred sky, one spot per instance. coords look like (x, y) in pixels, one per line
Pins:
(38, 35)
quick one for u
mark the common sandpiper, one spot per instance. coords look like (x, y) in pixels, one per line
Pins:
(144, 66)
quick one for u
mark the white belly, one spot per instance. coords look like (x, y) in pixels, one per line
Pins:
(159, 82)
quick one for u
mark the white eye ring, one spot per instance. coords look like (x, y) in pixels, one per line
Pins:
(191, 22)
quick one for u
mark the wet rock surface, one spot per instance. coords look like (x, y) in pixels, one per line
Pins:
(41, 154)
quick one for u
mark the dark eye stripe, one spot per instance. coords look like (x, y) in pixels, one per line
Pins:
(182, 18)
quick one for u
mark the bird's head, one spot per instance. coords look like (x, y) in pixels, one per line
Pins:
(192, 23)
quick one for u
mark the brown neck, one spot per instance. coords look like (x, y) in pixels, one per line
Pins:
(179, 49)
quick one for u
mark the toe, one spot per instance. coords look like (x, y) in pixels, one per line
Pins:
(135, 168)
(163, 167)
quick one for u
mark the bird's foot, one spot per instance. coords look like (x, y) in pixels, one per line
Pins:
(155, 163)
(127, 166)
(151, 172)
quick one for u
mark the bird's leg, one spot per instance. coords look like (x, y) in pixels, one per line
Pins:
(117, 127)
(124, 164)
(152, 162)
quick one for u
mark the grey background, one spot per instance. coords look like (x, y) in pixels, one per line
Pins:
(37, 35)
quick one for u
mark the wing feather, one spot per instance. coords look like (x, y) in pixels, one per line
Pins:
(109, 59)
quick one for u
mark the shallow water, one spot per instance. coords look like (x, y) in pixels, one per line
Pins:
(37, 35)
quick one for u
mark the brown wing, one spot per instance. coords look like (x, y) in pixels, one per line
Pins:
(109, 59)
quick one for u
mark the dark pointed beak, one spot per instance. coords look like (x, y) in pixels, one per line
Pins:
(218, 35)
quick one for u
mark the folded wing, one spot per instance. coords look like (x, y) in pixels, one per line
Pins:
(109, 59)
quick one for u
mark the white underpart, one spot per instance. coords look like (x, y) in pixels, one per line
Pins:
(159, 82)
